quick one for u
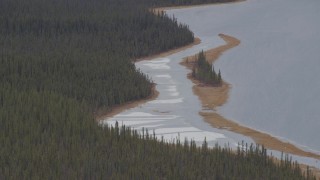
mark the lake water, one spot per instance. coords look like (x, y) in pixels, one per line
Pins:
(273, 72)
(175, 112)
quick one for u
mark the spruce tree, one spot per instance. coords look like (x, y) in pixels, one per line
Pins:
(219, 77)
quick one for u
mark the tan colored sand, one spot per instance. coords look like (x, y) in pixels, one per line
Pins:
(170, 52)
(132, 104)
(103, 114)
(212, 97)
(213, 54)
(314, 171)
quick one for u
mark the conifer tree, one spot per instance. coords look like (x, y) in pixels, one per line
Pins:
(219, 77)
(204, 71)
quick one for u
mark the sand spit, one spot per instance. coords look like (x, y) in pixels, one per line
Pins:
(213, 97)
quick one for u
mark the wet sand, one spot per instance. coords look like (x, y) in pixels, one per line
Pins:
(213, 97)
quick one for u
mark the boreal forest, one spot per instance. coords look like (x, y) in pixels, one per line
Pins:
(62, 61)
(204, 71)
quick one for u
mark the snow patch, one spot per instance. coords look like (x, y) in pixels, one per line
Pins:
(135, 114)
(163, 76)
(168, 101)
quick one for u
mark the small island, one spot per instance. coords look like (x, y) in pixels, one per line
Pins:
(204, 71)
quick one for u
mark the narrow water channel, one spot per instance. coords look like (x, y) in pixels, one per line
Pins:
(175, 113)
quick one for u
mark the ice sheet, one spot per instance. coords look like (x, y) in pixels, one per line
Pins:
(275, 70)
(174, 113)
(274, 75)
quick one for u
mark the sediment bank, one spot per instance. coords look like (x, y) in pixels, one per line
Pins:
(213, 97)
(102, 114)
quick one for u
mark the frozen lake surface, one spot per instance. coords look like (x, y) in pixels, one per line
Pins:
(174, 114)
(273, 72)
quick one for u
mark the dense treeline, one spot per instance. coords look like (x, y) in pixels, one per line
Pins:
(168, 3)
(82, 49)
(61, 60)
(204, 71)
(41, 148)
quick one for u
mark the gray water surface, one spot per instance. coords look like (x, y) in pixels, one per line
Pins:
(275, 70)
(263, 71)
(174, 114)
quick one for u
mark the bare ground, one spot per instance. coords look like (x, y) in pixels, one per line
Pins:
(170, 52)
(104, 114)
(213, 97)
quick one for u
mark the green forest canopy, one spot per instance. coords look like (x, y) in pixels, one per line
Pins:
(204, 71)
(61, 61)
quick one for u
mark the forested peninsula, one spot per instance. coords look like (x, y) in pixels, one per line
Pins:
(61, 61)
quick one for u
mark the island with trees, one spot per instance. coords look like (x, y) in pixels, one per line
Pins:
(63, 60)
